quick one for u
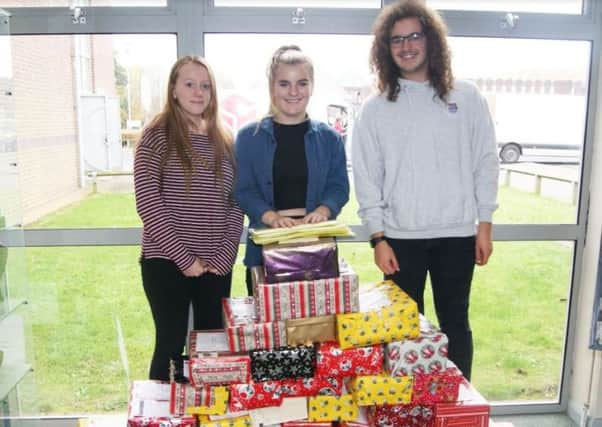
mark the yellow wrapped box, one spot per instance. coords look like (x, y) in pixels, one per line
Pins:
(244, 421)
(332, 408)
(380, 390)
(213, 401)
(386, 314)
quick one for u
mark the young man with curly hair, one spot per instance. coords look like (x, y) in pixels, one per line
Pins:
(425, 168)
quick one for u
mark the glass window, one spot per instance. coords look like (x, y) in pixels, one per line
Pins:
(538, 105)
(539, 108)
(87, 3)
(358, 4)
(89, 109)
(540, 6)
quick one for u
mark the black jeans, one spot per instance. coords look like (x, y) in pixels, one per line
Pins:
(450, 263)
(169, 295)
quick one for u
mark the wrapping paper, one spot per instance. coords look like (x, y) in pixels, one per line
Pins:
(471, 409)
(316, 386)
(387, 314)
(254, 395)
(283, 362)
(332, 408)
(244, 331)
(331, 360)
(311, 330)
(440, 387)
(207, 400)
(244, 421)
(305, 298)
(150, 390)
(292, 408)
(400, 415)
(186, 421)
(303, 423)
(266, 236)
(219, 370)
(423, 355)
(148, 408)
(380, 390)
(207, 341)
(306, 260)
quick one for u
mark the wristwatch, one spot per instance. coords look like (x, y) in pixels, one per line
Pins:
(376, 240)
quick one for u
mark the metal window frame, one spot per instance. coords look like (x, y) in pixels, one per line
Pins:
(190, 20)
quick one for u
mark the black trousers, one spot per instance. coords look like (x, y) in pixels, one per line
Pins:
(249, 282)
(450, 263)
(169, 295)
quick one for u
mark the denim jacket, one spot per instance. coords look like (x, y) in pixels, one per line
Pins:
(327, 180)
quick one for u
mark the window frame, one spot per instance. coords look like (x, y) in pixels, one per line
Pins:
(190, 20)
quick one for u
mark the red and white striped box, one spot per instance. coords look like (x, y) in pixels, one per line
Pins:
(305, 298)
(471, 410)
(243, 330)
(219, 370)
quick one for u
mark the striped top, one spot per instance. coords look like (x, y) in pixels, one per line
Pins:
(181, 224)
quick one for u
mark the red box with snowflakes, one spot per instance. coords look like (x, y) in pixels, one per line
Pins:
(333, 361)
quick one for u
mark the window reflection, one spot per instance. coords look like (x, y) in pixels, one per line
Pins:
(538, 6)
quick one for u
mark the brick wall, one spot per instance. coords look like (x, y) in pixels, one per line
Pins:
(46, 122)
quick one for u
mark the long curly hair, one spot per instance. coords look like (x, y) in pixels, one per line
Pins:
(177, 125)
(438, 53)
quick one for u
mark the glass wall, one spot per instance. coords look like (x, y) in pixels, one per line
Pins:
(87, 330)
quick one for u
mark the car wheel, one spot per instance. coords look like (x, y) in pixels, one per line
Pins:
(510, 153)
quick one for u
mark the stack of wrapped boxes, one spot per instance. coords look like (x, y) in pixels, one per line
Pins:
(313, 348)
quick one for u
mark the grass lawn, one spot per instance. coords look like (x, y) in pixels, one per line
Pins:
(91, 325)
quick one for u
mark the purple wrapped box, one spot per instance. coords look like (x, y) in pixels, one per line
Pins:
(307, 260)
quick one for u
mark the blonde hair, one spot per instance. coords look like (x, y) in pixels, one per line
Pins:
(286, 55)
(177, 125)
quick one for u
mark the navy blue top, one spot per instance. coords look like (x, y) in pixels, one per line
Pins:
(327, 179)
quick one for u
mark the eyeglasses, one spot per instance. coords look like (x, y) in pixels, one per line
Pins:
(410, 38)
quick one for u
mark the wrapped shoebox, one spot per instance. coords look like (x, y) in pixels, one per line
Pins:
(283, 362)
(332, 360)
(387, 314)
(400, 415)
(243, 421)
(305, 298)
(245, 332)
(291, 409)
(207, 341)
(254, 395)
(168, 421)
(205, 400)
(219, 370)
(471, 409)
(381, 389)
(425, 354)
(305, 423)
(438, 387)
(332, 408)
(308, 259)
(148, 401)
(311, 330)
(319, 385)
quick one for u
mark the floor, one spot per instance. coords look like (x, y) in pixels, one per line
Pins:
(498, 421)
(532, 421)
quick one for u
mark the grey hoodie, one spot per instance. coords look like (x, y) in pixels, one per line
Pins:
(424, 168)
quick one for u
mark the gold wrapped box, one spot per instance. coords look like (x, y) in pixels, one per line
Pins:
(332, 408)
(381, 390)
(310, 330)
(213, 401)
(244, 421)
(386, 314)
